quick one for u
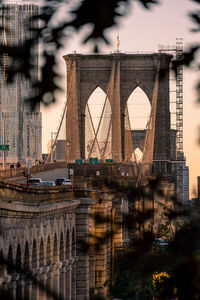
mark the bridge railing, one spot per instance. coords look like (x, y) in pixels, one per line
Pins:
(18, 172)
(15, 192)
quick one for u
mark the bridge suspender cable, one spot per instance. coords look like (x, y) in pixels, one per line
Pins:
(106, 99)
(113, 104)
(64, 111)
(128, 141)
(93, 129)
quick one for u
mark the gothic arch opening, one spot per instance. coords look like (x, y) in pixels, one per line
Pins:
(138, 110)
(68, 254)
(73, 243)
(61, 246)
(10, 266)
(41, 255)
(55, 248)
(48, 251)
(97, 123)
(18, 260)
(26, 257)
(34, 254)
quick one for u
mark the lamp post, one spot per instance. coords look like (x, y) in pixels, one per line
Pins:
(67, 149)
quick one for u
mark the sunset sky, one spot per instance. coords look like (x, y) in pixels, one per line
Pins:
(143, 30)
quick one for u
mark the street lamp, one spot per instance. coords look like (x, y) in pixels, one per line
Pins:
(67, 150)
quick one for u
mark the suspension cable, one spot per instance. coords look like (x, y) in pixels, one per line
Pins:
(95, 138)
(90, 117)
(64, 111)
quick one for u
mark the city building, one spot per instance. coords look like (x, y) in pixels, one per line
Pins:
(182, 181)
(60, 150)
(20, 124)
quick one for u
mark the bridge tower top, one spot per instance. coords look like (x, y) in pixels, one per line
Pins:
(117, 74)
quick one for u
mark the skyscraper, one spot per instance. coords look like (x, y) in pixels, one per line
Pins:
(20, 125)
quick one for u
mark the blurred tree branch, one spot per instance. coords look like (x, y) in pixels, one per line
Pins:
(53, 33)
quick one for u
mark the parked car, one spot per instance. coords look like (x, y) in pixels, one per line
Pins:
(34, 181)
(67, 182)
(47, 183)
(59, 181)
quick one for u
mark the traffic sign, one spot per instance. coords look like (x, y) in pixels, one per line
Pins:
(109, 161)
(71, 172)
(78, 161)
(4, 147)
(93, 160)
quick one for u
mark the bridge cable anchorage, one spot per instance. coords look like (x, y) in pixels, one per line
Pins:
(102, 113)
(148, 150)
(64, 111)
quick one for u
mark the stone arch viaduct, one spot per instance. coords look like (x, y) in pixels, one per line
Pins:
(41, 235)
(87, 72)
(38, 234)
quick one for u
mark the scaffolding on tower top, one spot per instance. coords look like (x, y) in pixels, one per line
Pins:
(177, 52)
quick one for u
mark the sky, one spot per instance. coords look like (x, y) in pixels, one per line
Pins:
(143, 30)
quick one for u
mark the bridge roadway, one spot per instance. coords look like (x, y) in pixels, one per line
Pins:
(51, 171)
(42, 230)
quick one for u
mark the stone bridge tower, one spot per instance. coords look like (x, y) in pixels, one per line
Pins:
(87, 72)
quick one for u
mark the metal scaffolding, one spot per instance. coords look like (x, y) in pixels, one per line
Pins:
(177, 52)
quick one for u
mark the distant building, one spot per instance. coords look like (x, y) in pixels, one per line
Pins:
(138, 138)
(20, 126)
(182, 181)
(177, 168)
(61, 150)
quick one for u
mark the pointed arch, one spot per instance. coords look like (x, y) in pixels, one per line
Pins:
(41, 253)
(96, 102)
(34, 254)
(97, 123)
(26, 257)
(10, 262)
(68, 245)
(48, 251)
(73, 243)
(55, 248)
(18, 260)
(139, 108)
(61, 247)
